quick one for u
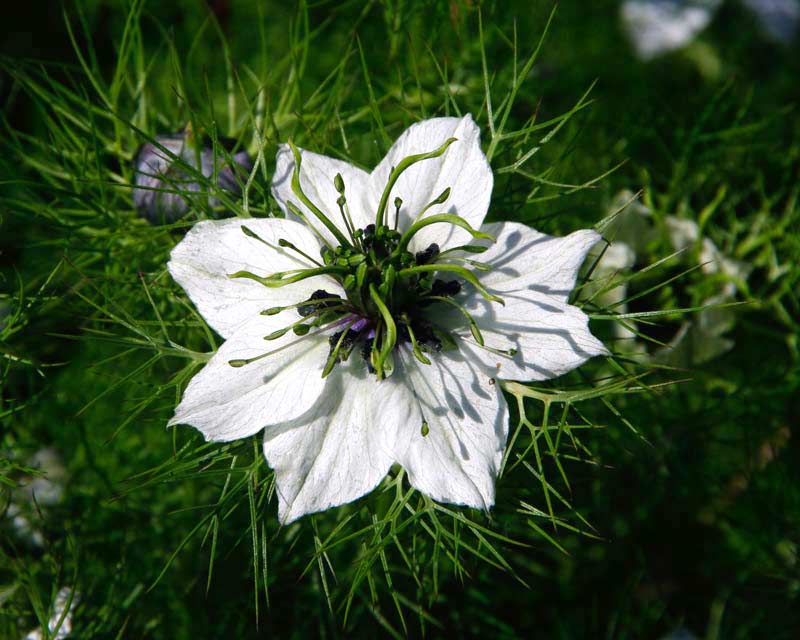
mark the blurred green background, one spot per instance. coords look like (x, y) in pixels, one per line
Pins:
(692, 490)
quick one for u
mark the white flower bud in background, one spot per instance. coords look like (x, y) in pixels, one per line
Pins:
(700, 337)
(657, 27)
(63, 630)
(167, 180)
(777, 18)
(39, 492)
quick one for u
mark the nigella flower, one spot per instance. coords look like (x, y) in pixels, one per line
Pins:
(170, 175)
(362, 332)
(656, 27)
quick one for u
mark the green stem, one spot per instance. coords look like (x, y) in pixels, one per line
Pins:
(274, 282)
(405, 163)
(452, 268)
(437, 219)
(298, 191)
(473, 326)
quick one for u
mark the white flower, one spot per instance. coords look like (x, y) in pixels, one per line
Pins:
(65, 598)
(37, 494)
(778, 18)
(656, 27)
(701, 337)
(373, 354)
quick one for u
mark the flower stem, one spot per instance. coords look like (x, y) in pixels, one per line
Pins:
(405, 163)
(298, 191)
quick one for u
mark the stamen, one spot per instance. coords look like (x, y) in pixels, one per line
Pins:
(398, 202)
(439, 218)
(480, 266)
(469, 248)
(368, 237)
(425, 256)
(337, 340)
(415, 348)
(279, 280)
(318, 311)
(319, 299)
(366, 351)
(447, 288)
(453, 268)
(273, 311)
(473, 326)
(288, 245)
(281, 243)
(510, 353)
(338, 183)
(425, 429)
(440, 199)
(240, 362)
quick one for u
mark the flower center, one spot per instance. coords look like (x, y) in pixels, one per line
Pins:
(391, 292)
(381, 311)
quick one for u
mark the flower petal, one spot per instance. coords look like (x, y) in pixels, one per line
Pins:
(213, 250)
(522, 258)
(463, 168)
(467, 417)
(550, 336)
(336, 451)
(316, 179)
(227, 403)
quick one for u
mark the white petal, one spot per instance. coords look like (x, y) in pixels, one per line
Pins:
(316, 179)
(227, 403)
(550, 336)
(214, 249)
(467, 417)
(463, 168)
(336, 451)
(522, 258)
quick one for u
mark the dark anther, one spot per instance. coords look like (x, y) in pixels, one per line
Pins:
(448, 288)
(347, 343)
(311, 306)
(403, 335)
(369, 236)
(349, 339)
(425, 334)
(366, 351)
(333, 340)
(424, 257)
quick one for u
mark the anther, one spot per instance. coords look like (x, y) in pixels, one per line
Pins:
(311, 306)
(447, 288)
(366, 353)
(425, 256)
